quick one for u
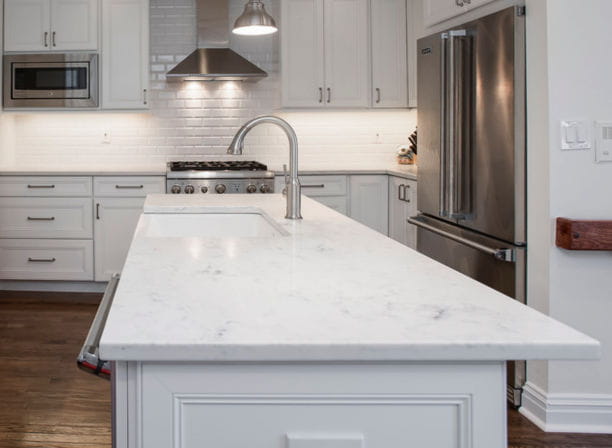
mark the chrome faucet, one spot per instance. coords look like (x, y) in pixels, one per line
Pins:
(293, 185)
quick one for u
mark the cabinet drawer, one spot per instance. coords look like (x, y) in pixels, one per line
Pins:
(69, 218)
(46, 259)
(45, 186)
(129, 186)
(323, 185)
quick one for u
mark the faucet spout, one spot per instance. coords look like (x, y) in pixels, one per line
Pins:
(294, 194)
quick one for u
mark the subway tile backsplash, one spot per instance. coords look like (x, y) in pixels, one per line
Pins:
(195, 120)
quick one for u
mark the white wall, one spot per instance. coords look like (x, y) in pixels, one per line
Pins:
(197, 120)
(569, 76)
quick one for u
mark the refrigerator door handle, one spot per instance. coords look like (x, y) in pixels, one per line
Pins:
(89, 356)
(443, 99)
(452, 134)
(502, 254)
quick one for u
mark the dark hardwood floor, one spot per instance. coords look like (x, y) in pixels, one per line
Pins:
(45, 401)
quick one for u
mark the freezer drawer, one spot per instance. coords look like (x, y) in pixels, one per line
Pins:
(490, 261)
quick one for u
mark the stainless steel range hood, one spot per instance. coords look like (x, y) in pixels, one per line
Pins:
(213, 60)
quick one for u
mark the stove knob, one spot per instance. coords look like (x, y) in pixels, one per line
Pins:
(220, 189)
(204, 189)
(264, 188)
(176, 189)
(189, 189)
(251, 188)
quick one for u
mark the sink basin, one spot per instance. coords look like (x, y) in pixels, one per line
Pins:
(210, 225)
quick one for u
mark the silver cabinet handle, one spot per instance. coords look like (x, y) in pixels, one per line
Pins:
(46, 38)
(41, 260)
(88, 358)
(329, 95)
(406, 198)
(98, 211)
(320, 94)
(377, 95)
(144, 97)
(314, 186)
(459, 2)
(401, 189)
(129, 187)
(41, 186)
(53, 39)
(30, 218)
(501, 254)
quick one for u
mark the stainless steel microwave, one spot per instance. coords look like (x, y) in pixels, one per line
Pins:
(68, 80)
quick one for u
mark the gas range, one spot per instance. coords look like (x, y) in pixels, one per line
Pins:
(223, 177)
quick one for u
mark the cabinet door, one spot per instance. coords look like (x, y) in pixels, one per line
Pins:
(389, 64)
(27, 25)
(477, 3)
(114, 226)
(125, 54)
(302, 53)
(415, 29)
(436, 11)
(74, 24)
(370, 201)
(347, 61)
(402, 197)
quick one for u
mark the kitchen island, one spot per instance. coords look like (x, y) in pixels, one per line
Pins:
(233, 327)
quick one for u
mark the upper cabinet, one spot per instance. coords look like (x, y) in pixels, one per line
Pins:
(50, 25)
(325, 53)
(389, 63)
(436, 11)
(125, 54)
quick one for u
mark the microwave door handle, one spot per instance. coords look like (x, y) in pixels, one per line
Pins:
(443, 123)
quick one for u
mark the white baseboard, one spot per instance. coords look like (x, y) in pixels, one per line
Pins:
(588, 413)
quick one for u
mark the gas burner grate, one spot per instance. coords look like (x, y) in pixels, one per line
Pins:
(231, 165)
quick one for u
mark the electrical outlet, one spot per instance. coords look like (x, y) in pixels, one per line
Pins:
(106, 137)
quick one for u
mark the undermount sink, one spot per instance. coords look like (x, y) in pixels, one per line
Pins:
(210, 225)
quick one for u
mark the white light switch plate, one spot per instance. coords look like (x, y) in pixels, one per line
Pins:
(603, 141)
(324, 440)
(575, 135)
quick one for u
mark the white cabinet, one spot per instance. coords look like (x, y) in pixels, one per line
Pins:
(50, 25)
(303, 69)
(436, 11)
(402, 205)
(118, 204)
(370, 201)
(329, 190)
(115, 223)
(346, 53)
(125, 54)
(389, 53)
(325, 53)
(74, 25)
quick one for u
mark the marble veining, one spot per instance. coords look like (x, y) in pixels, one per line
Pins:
(331, 290)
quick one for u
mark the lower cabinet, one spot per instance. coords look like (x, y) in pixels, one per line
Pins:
(402, 205)
(118, 203)
(114, 227)
(370, 201)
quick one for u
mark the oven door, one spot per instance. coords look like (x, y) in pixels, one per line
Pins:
(58, 80)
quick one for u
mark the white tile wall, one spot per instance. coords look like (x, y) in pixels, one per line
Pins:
(197, 120)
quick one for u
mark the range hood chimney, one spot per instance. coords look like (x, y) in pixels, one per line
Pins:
(213, 60)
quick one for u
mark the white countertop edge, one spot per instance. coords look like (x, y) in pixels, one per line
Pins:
(350, 353)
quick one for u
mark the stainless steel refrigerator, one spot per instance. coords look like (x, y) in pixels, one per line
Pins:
(471, 121)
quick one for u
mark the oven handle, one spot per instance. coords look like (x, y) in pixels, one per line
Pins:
(89, 356)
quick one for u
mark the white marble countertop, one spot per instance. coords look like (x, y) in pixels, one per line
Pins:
(332, 290)
(406, 171)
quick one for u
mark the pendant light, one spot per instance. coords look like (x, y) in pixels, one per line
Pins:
(254, 20)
